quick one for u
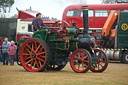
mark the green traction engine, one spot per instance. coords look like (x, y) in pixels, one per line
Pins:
(50, 49)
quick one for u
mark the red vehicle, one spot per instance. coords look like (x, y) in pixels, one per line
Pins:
(97, 13)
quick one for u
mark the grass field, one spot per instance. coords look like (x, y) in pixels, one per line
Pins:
(116, 74)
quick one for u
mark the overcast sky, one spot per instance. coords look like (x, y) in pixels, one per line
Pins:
(52, 8)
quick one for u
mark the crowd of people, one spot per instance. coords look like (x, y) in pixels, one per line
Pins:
(7, 51)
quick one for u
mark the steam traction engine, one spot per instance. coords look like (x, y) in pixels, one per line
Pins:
(49, 49)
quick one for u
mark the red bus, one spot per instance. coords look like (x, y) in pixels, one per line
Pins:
(97, 13)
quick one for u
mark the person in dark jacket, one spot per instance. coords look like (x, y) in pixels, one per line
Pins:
(5, 48)
(1, 42)
(37, 23)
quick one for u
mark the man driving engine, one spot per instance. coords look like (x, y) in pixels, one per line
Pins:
(37, 23)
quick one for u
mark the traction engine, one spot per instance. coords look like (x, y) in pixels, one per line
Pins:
(49, 49)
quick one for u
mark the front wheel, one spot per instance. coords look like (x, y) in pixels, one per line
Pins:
(101, 63)
(80, 61)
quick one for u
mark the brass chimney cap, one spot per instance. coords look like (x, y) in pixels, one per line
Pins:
(84, 7)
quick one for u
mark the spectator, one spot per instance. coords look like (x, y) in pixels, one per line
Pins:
(5, 47)
(12, 52)
(1, 42)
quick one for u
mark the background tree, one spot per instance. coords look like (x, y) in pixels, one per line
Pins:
(4, 4)
(114, 1)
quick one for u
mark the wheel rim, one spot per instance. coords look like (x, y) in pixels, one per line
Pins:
(101, 62)
(80, 61)
(33, 55)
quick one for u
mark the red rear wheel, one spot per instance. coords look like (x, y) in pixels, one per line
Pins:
(102, 61)
(35, 55)
(81, 61)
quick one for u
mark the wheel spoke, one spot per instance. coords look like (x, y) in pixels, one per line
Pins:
(40, 53)
(28, 50)
(29, 47)
(77, 57)
(83, 65)
(82, 55)
(37, 63)
(34, 65)
(42, 56)
(40, 59)
(85, 60)
(98, 66)
(101, 65)
(37, 48)
(28, 58)
(78, 66)
(41, 49)
(101, 57)
(35, 45)
(74, 60)
(29, 61)
(40, 63)
(26, 54)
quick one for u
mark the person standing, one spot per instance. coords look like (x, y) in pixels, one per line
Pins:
(11, 52)
(1, 42)
(37, 23)
(5, 47)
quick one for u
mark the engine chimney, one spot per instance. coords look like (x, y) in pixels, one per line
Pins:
(85, 40)
(85, 18)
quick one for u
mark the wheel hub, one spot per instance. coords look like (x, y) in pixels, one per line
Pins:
(33, 55)
(79, 61)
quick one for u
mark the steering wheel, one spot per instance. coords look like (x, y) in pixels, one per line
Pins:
(60, 21)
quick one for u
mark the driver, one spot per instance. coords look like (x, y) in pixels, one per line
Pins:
(37, 23)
